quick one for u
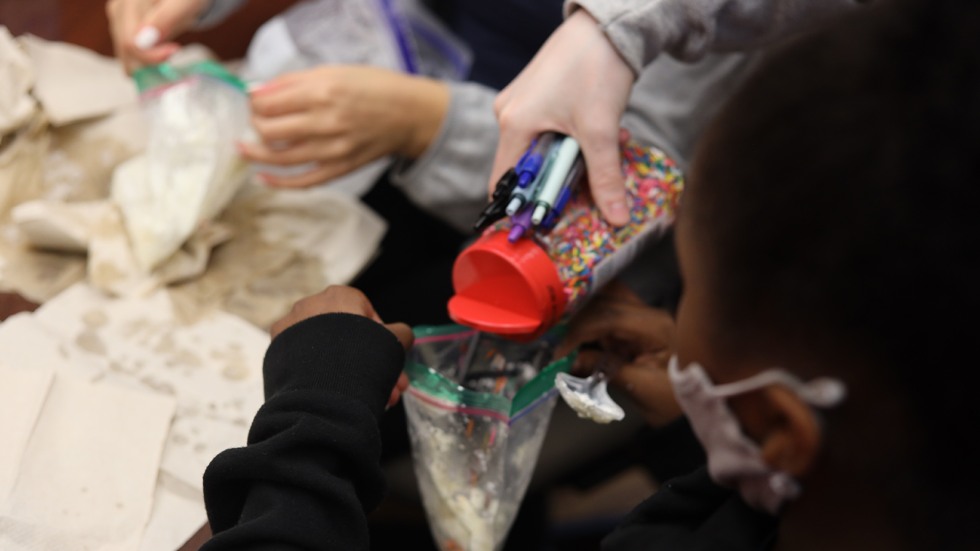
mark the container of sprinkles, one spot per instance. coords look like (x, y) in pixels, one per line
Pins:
(520, 289)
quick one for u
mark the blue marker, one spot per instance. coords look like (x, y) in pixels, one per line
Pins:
(522, 196)
(567, 188)
(557, 174)
(533, 159)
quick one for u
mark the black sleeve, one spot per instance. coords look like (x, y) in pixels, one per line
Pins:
(310, 472)
(693, 513)
(671, 451)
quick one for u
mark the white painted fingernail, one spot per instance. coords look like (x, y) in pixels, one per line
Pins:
(147, 37)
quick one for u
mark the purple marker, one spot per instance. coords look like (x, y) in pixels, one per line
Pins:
(520, 224)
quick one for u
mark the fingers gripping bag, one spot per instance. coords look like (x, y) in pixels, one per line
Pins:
(478, 408)
(191, 168)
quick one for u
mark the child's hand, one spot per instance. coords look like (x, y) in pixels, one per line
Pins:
(640, 341)
(338, 299)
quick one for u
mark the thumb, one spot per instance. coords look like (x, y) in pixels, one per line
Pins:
(403, 333)
(606, 180)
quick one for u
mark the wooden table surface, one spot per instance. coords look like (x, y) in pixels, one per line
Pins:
(12, 303)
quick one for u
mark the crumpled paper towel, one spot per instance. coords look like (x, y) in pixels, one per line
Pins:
(22, 164)
(94, 116)
(96, 228)
(178, 508)
(277, 246)
(86, 478)
(102, 126)
(22, 393)
(87, 123)
(74, 84)
(16, 80)
(211, 369)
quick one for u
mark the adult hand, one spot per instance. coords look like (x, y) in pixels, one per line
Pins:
(342, 117)
(578, 85)
(637, 338)
(338, 299)
(142, 30)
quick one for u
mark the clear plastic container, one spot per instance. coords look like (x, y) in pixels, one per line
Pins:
(522, 289)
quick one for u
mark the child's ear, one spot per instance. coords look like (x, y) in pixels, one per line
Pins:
(784, 426)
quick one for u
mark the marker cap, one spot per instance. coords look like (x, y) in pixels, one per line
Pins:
(509, 289)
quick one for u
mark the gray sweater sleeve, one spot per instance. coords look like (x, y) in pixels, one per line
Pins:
(450, 179)
(688, 29)
(669, 108)
(673, 101)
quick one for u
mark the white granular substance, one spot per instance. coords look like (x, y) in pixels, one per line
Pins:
(472, 488)
(467, 513)
(190, 169)
(463, 512)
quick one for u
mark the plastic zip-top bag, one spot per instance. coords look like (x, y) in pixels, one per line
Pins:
(401, 35)
(191, 169)
(478, 409)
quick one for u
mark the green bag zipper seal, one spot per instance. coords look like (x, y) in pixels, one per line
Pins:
(439, 386)
(541, 383)
(424, 331)
(152, 76)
